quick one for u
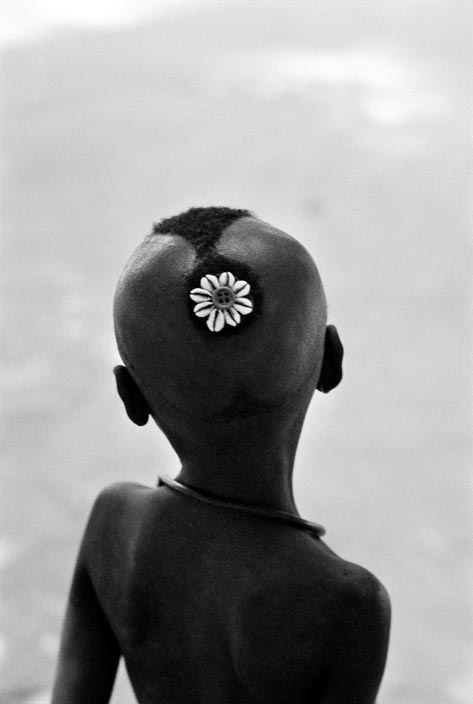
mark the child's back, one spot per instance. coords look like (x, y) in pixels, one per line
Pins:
(212, 606)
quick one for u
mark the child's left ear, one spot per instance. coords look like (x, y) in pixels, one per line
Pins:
(135, 404)
(331, 372)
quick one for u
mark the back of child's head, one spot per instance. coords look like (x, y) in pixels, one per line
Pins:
(220, 315)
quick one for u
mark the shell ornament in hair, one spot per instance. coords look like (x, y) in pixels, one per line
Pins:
(222, 300)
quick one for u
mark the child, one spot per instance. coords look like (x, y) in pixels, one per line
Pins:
(212, 587)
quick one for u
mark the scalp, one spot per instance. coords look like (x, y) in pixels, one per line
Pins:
(267, 359)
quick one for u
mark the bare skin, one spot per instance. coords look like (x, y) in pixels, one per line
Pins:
(210, 606)
(274, 615)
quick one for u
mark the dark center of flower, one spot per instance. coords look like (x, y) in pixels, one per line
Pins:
(223, 297)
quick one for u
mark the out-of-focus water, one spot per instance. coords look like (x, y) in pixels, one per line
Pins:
(345, 124)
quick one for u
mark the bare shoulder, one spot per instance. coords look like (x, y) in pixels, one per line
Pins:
(359, 596)
(114, 509)
(116, 494)
(115, 498)
(362, 589)
(359, 634)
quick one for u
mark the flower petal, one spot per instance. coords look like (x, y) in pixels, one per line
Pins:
(226, 279)
(219, 321)
(229, 319)
(244, 290)
(216, 320)
(239, 285)
(202, 291)
(206, 284)
(211, 319)
(203, 309)
(213, 282)
(235, 314)
(203, 304)
(244, 302)
(244, 310)
(198, 295)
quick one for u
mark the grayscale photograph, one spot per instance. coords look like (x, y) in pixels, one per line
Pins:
(236, 260)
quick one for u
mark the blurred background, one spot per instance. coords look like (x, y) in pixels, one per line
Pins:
(347, 125)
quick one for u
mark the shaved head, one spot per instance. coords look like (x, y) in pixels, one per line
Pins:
(177, 359)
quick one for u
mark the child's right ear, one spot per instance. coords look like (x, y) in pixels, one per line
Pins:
(331, 372)
(135, 403)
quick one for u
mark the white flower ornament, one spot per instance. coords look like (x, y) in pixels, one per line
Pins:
(222, 300)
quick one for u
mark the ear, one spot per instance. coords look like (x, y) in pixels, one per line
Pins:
(331, 372)
(133, 400)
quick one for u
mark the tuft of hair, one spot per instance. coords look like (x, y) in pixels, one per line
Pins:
(200, 226)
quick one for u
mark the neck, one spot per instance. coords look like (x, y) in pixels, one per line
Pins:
(248, 461)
